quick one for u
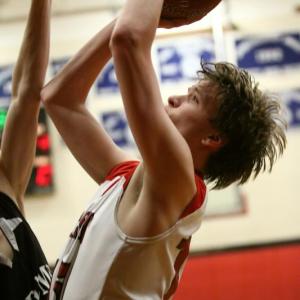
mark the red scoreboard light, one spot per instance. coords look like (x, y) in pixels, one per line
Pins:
(41, 180)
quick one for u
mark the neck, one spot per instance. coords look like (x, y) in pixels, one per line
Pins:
(200, 158)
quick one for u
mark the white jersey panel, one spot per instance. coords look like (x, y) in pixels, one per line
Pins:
(98, 248)
(101, 262)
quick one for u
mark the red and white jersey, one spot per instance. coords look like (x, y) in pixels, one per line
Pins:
(102, 262)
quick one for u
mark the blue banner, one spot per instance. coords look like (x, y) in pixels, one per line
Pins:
(6, 81)
(292, 102)
(116, 126)
(265, 53)
(179, 59)
(57, 64)
(107, 80)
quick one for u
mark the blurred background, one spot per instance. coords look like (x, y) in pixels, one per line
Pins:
(249, 244)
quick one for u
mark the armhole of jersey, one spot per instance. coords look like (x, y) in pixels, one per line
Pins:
(8, 202)
(198, 199)
(125, 169)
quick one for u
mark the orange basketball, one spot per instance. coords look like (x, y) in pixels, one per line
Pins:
(187, 9)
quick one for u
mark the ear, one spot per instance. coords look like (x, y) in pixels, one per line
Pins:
(214, 141)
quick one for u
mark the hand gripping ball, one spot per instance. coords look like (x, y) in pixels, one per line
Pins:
(187, 9)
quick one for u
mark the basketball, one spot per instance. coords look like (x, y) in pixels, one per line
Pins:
(187, 9)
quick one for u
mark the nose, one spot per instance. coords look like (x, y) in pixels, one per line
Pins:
(172, 101)
(176, 101)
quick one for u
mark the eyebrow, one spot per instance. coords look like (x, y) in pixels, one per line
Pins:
(197, 90)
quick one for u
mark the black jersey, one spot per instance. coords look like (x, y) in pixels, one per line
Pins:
(28, 275)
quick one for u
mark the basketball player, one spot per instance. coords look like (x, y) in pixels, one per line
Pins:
(133, 239)
(24, 272)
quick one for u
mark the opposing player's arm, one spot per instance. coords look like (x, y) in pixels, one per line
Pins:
(168, 162)
(64, 98)
(19, 136)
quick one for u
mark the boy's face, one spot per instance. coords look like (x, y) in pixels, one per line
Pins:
(192, 113)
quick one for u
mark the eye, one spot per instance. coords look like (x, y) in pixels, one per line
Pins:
(195, 99)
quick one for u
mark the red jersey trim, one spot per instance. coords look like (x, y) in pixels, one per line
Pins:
(127, 169)
(198, 199)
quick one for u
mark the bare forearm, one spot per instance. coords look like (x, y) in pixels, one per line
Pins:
(72, 84)
(131, 48)
(19, 136)
(30, 69)
(64, 99)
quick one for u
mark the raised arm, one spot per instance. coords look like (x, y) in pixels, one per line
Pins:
(64, 98)
(19, 136)
(169, 173)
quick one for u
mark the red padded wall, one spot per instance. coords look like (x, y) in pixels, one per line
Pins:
(271, 273)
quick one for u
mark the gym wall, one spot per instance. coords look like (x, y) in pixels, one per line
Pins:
(264, 212)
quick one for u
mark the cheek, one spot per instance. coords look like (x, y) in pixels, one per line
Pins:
(182, 116)
(187, 120)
